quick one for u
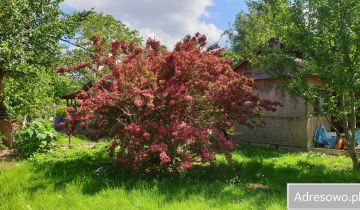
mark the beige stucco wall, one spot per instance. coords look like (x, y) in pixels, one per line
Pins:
(272, 89)
(278, 131)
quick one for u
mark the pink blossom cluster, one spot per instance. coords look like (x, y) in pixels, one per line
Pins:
(166, 110)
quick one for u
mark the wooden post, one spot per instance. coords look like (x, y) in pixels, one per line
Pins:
(69, 140)
(3, 113)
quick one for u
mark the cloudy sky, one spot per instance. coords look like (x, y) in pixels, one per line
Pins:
(168, 20)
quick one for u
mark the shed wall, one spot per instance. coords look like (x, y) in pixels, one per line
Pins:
(292, 125)
(285, 127)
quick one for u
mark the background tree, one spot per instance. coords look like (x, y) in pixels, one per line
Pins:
(29, 49)
(104, 26)
(252, 29)
(326, 35)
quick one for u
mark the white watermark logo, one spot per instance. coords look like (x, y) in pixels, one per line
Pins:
(314, 196)
(307, 197)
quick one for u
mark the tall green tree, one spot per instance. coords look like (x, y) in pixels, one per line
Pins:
(252, 29)
(29, 46)
(80, 47)
(327, 35)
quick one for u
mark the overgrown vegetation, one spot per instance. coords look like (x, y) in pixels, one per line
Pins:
(37, 137)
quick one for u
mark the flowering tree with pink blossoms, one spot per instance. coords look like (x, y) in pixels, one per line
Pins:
(165, 110)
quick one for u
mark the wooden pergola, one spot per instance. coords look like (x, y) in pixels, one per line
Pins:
(71, 98)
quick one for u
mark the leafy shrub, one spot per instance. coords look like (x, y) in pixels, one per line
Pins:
(60, 111)
(37, 137)
(165, 110)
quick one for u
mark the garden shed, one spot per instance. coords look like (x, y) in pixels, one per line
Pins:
(291, 126)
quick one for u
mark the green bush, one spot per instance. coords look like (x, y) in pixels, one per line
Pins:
(37, 137)
(60, 111)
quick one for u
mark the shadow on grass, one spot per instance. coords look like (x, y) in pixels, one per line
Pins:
(262, 152)
(253, 179)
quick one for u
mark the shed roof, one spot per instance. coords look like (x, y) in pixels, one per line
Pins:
(86, 87)
(257, 74)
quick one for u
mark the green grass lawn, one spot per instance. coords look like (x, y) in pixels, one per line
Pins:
(66, 179)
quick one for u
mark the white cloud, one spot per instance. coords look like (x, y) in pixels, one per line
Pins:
(166, 20)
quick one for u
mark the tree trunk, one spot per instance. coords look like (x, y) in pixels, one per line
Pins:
(3, 113)
(352, 152)
(355, 159)
(351, 149)
(69, 143)
(348, 122)
(5, 130)
(24, 122)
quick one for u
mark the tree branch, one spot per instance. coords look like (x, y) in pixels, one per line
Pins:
(71, 43)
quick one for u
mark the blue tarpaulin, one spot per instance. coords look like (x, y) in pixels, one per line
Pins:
(329, 138)
(357, 136)
(324, 137)
(57, 122)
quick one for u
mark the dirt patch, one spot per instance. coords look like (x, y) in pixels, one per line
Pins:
(63, 146)
(257, 186)
(86, 145)
(90, 145)
(6, 154)
(7, 159)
